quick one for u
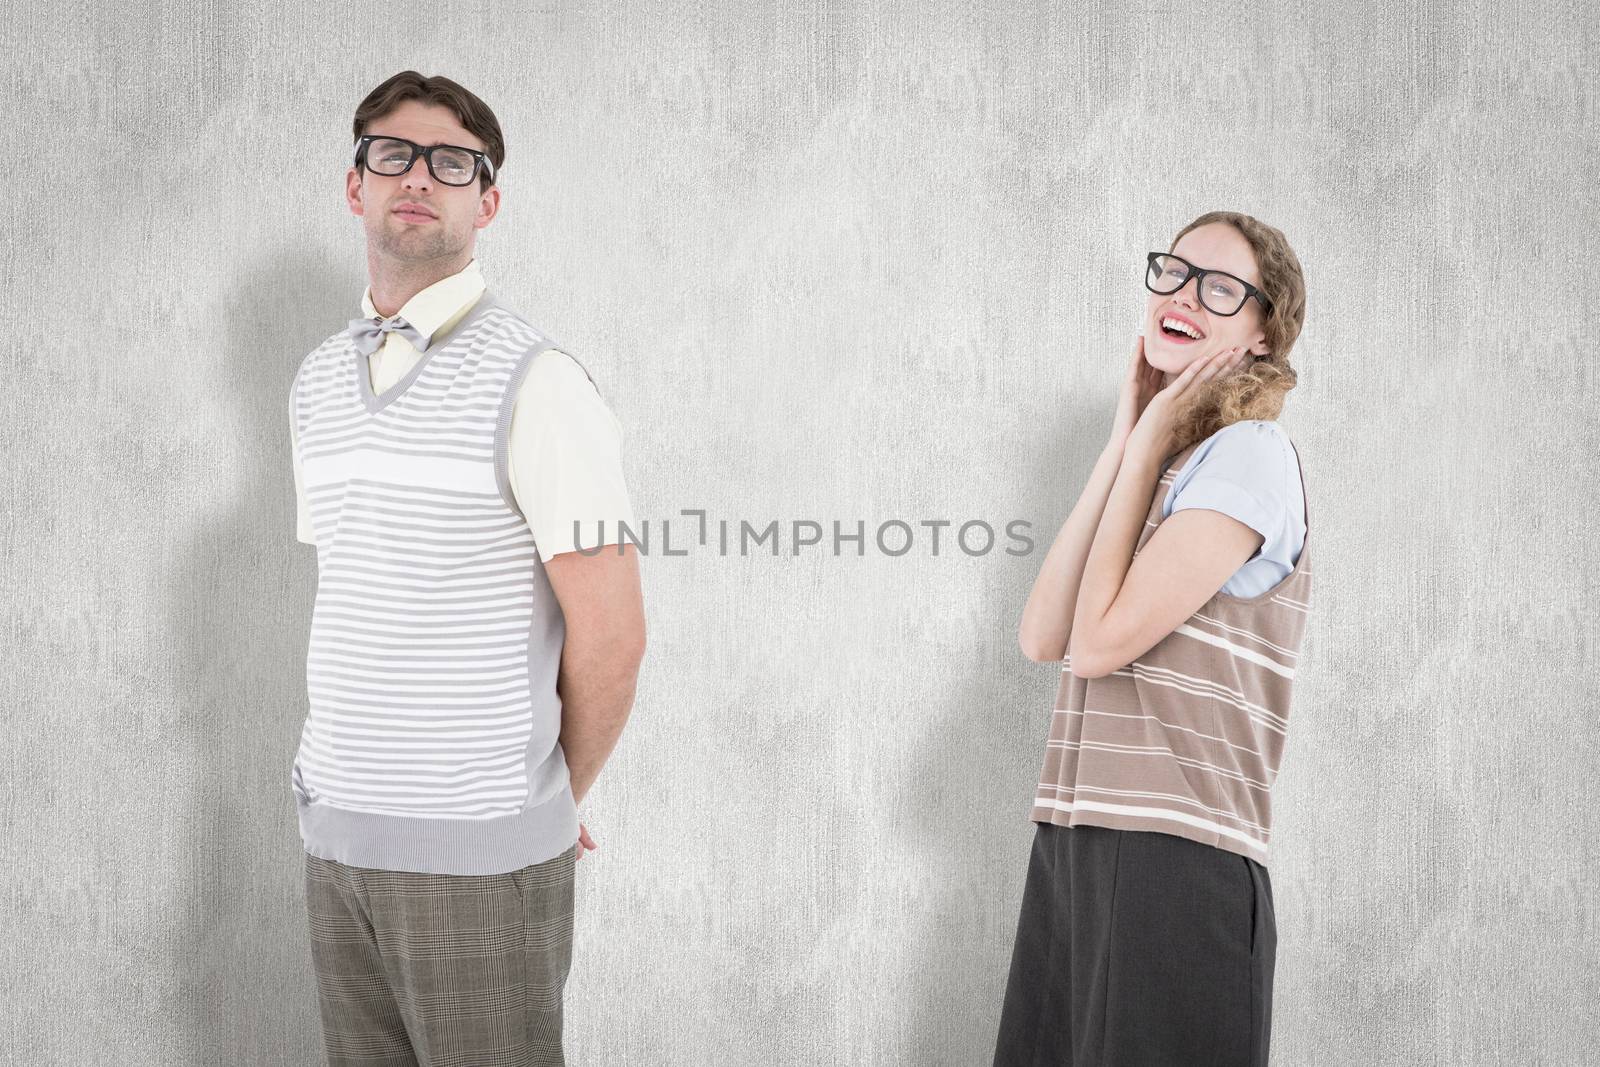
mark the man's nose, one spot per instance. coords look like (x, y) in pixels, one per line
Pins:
(418, 175)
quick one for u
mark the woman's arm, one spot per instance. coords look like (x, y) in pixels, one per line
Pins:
(1047, 617)
(1059, 604)
(1124, 608)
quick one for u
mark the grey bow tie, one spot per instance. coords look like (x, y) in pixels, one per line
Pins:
(368, 333)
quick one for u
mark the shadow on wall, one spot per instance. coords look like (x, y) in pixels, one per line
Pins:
(239, 589)
(969, 783)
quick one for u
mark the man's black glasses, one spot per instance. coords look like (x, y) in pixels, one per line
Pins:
(1222, 293)
(449, 164)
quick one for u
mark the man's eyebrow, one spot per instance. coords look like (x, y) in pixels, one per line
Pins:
(397, 137)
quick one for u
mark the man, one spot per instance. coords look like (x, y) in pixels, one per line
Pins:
(468, 671)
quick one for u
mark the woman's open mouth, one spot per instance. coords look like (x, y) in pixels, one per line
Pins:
(1177, 331)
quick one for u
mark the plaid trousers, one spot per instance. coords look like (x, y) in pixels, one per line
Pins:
(441, 970)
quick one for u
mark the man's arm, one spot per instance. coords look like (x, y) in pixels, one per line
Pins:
(565, 468)
(604, 608)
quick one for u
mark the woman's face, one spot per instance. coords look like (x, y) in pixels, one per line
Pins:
(1219, 246)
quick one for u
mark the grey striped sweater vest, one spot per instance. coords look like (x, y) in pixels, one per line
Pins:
(1187, 739)
(431, 738)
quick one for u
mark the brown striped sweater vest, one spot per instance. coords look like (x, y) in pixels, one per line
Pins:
(1186, 739)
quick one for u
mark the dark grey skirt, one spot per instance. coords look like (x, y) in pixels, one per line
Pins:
(1139, 949)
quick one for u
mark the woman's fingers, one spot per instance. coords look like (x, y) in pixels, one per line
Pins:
(1198, 371)
(1219, 363)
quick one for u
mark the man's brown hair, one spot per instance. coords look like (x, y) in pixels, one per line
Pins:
(471, 112)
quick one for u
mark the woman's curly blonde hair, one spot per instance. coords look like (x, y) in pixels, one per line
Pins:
(1257, 390)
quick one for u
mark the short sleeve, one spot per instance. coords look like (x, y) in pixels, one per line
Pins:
(565, 459)
(302, 511)
(1246, 470)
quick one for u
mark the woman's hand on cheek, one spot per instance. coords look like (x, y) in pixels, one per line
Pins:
(1140, 382)
(1152, 437)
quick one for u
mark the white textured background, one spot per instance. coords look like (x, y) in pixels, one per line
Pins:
(845, 262)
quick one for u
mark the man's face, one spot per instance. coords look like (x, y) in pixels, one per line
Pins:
(447, 215)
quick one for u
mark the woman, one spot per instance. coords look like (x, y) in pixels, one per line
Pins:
(1176, 597)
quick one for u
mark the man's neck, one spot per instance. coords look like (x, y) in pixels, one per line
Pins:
(392, 284)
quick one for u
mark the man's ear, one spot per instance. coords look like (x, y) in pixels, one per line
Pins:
(354, 194)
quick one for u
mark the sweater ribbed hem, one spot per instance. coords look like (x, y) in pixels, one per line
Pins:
(1148, 819)
(440, 846)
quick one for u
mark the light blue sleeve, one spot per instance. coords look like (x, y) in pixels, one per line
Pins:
(1248, 471)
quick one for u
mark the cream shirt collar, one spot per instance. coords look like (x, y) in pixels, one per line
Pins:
(437, 305)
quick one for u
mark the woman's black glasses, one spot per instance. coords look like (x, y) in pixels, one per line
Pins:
(1221, 292)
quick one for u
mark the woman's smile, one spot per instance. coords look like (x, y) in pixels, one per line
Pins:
(1178, 329)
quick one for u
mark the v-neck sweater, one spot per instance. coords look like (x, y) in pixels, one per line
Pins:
(431, 739)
